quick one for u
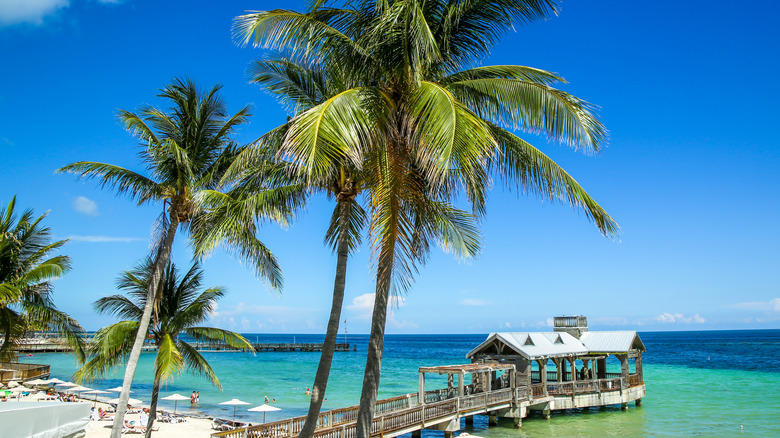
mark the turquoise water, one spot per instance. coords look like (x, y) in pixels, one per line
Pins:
(698, 383)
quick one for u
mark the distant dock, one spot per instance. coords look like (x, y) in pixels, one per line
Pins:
(259, 347)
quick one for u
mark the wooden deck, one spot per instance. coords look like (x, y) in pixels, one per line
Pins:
(407, 413)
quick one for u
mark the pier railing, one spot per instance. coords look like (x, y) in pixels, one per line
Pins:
(22, 371)
(404, 412)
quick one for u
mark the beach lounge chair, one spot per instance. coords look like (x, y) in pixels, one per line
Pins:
(221, 425)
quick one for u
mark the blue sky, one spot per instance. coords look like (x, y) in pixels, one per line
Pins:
(686, 89)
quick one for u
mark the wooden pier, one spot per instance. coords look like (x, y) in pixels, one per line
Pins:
(442, 409)
(511, 375)
(57, 347)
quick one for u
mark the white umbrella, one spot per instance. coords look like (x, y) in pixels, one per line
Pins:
(96, 392)
(264, 409)
(36, 382)
(19, 390)
(118, 389)
(66, 385)
(131, 401)
(54, 381)
(175, 398)
(234, 402)
(78, 389)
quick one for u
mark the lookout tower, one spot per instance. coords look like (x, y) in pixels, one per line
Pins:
(573, 325)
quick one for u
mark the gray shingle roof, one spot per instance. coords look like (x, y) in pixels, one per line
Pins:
(533, 345)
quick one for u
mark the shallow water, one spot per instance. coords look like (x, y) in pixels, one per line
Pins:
(698, 383)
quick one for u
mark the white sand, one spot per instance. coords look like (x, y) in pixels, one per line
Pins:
(193, 427)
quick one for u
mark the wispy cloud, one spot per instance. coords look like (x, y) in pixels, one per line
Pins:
(679, 318)
(773, 305)
(84, 205)
(103, 239)
(28, 11)
(6, 141)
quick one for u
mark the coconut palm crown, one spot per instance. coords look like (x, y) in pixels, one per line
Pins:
(27, 270)
(426, 123)
(186, 151)
(183, 306)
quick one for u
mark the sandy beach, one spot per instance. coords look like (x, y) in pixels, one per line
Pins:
(192, 427)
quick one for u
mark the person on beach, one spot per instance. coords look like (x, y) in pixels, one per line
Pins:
(266, 399)
(197, 397)
(192, 398)
(308, 391)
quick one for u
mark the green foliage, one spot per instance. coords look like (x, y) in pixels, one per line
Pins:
(187, 150)
(183, 306)
(27, 269)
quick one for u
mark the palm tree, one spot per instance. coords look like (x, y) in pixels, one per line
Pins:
(182, 306)
(27, 269)
(424, 125)
(300, 87)
(186, 152)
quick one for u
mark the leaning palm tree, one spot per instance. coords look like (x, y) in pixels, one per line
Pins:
(27, 270)
(186, 152)
(183, 305)
(301, 86)
(424, 125)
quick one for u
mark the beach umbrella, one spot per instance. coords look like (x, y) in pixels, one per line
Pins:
(234, 402)
(54, 381)
(175, 398)
(95, 392)
(36, 382)
(66, 385)
(117, 389)
(131, 402)
(18, 390)
(78, 389)
(264, 408)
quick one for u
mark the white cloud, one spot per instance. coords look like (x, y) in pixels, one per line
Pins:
(773, 304)
(84, 205)
(679, 318)
(365, 302)
(28, 11)
(103, 239)
(363, 305)
(474, 302)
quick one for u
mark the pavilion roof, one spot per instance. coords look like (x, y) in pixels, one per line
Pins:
(538, 345)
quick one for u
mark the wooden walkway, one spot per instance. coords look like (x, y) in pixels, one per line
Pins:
(407, 413)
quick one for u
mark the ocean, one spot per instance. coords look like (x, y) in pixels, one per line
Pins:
(708, 383)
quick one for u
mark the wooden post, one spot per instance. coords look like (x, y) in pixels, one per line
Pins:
(450, 385)
(421, 389)
(461, 383)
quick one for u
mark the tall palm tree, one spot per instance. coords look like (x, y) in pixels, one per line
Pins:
(183, 306)
(186, 152)
(27, 269)
(301, 86)
(424, 125)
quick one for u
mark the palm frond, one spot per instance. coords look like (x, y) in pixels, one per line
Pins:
(124, 181)
(533, 107)
(169, 361)
(522, 164)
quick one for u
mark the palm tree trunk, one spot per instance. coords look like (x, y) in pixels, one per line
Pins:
(376, 343)
(326, 359)
(153, 405)
(132, 361)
